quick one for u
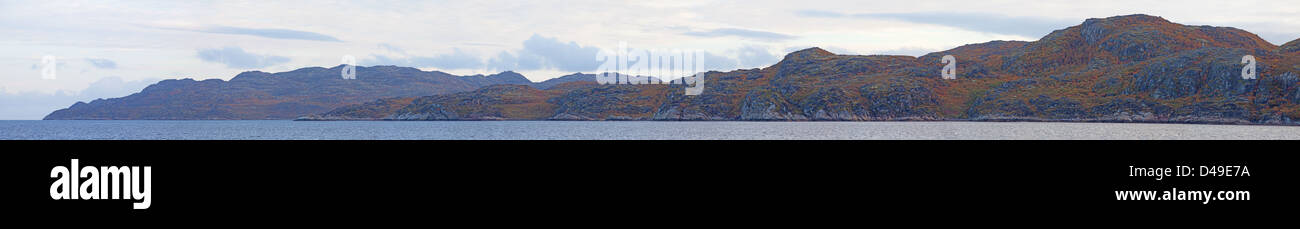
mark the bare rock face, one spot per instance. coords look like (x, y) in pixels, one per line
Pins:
(831, 104)
(767, 105)
(430, 113)
(904, 98)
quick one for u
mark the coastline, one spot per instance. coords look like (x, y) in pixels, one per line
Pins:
(1235, 122)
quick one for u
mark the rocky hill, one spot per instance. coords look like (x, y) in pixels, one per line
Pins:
(1135, 68)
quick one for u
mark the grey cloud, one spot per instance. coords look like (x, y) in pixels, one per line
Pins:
(541, 52)
(235, 57)
(33, 105)
(504, 61)
(508, 61)
(742, 33)
(752, 56)
(991, 23)
(102, 63)
(457, 59)
(559, 55)
(718, 63)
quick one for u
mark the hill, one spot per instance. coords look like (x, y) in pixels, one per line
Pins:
(1135, 68)
(285, 95)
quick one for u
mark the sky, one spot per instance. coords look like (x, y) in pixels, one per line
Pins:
(105, 49)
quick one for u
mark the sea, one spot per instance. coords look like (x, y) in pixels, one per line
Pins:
(622, 130)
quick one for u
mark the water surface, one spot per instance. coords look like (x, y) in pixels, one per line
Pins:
(512, 130)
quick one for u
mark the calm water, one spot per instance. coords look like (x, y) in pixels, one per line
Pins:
(625, 130)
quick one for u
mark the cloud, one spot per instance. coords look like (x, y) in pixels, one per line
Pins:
(981, 22)
(457, 59)
(718, 63)
(541, 52)
(268, 33)
(820, 13)
(538, 53)
(391, 48)
(741, 33)
(32, 105)
(833, 49)
(751, 56)
(102, 63)
(35, 105)
(1278, 33)
(559, 55)
(235, 57)
(112, 87)
(509, 61)
(547, 53)
(60, 64)
(384, 60)
(907, 51)
(484, 44)
(1279, 38)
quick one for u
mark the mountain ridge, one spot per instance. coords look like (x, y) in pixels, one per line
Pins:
(282, 95)
(1132, 68)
